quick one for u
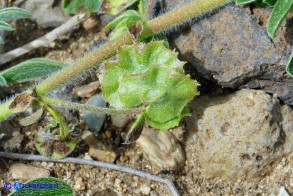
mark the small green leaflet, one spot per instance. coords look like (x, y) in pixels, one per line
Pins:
(30, 70)
(5, 26)
(279, 13)
(114, 7)
(13, 13)
(290, 65)
(270, 2)
(59, 187)
(121, 24)
(77, 6)
(242, 2)
(142, 6)
(136, 129)
(2, 81)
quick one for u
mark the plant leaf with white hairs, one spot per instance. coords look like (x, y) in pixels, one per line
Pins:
(13, 13)
(31, 69)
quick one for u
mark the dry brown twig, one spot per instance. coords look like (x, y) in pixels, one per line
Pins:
(45, 40)
(110, 166)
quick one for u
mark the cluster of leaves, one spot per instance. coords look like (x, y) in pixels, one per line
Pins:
(131, 18)
(150, 77)
(12, 13)
(281, 8)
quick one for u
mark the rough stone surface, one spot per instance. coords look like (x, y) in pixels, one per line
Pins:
(119, 120)
(275, 80)
(93, 119)
(284, 37)
(162, 149)
(21, 171)
(239, 135)
(231, 47)
(79, 185)
(87, 91)
(11, 142)
(98, 150)
(45, 14)
(228, 46)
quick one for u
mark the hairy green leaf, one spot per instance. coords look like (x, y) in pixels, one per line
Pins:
(31, 69)
(122, 23)
(242, 2)
(45, 187)
(1, 40)
(2, 81)
(136, 129)
(5, 26)
(270, 2)
(13, 13)
(113, 7)
(279, 13)
(145, 7)
(290, 65)
(77, 6)
(149, 77)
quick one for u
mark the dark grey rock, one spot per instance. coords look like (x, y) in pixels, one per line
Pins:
(231, 47)
(92, 119)
(227, 46)
(274, 80)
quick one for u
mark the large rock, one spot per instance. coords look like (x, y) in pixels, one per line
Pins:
(162, 149)
(232, 48)
(240, 135)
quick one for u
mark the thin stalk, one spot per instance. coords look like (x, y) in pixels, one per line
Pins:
(148, 9)
(182, 14)
(85, 63)
(77, 106)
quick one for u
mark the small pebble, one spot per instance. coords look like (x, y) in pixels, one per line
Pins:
(93, 119)
(145, 189)
(87, 90)
(25, 172)
(283, 192)
(119, 120)
(79, 185)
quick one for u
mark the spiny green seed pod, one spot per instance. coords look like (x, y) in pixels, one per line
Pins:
(149, 77)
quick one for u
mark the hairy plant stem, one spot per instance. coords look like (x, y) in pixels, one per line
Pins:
(180, 15)
(85, 63)
(77, 106)
(163, 22)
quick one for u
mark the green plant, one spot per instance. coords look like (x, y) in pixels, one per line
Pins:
(140, 82)
(281, 8)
